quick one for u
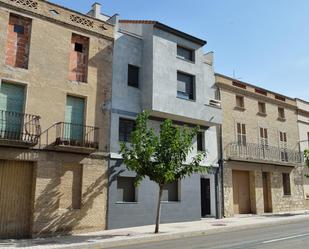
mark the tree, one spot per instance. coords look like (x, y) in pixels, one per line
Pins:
(161, 157)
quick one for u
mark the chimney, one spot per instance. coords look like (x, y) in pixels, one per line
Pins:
(96, 8)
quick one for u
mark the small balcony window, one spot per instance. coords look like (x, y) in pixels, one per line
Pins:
(170, 192)
(133, 76)
(200, 141)
(281, 113)
(126, 127)
(262, 108)
(126, 191)
(240, 102)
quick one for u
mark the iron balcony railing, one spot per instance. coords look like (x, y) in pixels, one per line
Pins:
(68, 134)
(251, 151)
(19, 127)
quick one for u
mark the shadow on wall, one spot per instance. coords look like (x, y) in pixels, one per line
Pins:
(50, 220)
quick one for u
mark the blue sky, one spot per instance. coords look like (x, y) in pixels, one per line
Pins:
(264, 42)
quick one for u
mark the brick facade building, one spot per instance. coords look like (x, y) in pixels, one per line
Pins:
(55, 79)
(262, 162)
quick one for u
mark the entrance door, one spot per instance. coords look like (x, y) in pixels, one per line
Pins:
(16, 179)
(74, 119)
(205, 196)
(241, 192)
(11, 109)
(267, 193)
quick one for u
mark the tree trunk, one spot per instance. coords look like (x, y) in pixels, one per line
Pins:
(159, 209)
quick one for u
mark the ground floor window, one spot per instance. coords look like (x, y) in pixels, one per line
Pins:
(286, 184)
(126, 191)
(170, 192)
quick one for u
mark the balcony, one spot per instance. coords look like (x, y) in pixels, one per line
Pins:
(19, 129)
(264, 154)
(71, 137)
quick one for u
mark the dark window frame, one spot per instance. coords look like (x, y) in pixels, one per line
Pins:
(124, 135)
(191, 52)
(286, 183)
(133, 76)
(129, 197)
(200, 140)
(79, 47)
(186, 95)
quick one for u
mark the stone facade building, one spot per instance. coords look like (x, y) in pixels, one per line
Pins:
(55, 86)
(165, 71)
(303, 129)
(262, 163)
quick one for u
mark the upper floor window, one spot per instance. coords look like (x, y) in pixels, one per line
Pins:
(79, 58)
(283, 146)
(126, 127)
(261, 108)
(185, 53)
(133, 76)
(240, 102)
(241, 134)
(281, 113)
(185, 86)
(264, 137)
(200, 138)
(18, 41)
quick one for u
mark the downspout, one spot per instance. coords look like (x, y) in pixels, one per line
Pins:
(220, 213)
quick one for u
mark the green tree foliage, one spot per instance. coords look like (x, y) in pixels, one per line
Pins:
(161, 158)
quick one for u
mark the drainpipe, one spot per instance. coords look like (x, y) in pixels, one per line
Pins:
(219, 177)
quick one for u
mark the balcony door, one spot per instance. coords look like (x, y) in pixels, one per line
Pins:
(11, 110)
(264, 143)
(74, 119)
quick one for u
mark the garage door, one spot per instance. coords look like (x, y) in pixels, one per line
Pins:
(15, 198)
(241, 192)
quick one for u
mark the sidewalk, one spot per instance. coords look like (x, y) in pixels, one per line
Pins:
(134, 235)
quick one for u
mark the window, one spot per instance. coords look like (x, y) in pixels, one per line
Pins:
(281, 113)
(262, 107)
(79, 58)
(170, 192)
(78, 47)
(241, 134)
(283, 146)
(200, 141)
(19, 29)
(126, 127)
(18, 41)
(286, 183)
(264, 137)
(71, 186)
(133, 76)
(185, 86)
(126, 189)
(240, 102)
(185, 53)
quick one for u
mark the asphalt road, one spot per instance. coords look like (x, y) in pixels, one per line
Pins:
(287, 236)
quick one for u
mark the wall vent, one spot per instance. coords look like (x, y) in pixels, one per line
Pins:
(215, 102)
(28, 3)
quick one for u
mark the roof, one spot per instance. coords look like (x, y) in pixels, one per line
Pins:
(168, 29)
(251, 85)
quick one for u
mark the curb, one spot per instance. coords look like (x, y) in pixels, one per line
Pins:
(163, 237)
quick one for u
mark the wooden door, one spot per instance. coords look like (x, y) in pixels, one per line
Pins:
(267, 193)
(241, 192)
(15, 199)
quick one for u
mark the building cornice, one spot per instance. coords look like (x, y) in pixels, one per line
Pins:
(61, 15)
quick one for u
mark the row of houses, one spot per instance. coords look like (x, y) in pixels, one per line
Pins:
(71, 86)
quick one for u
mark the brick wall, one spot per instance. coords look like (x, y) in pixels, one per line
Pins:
(79, 58)
(18, 41)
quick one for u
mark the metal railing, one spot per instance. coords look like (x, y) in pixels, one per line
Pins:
(19, 127)
(70, 135)
(251, 151)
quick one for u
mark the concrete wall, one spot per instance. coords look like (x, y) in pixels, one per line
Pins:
(144, 210)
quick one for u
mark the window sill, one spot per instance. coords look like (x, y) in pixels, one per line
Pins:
(78, 82)
(18, 68)
(134, 87)
(239, 108)
(262, 114)
(170, 202)
(127, 203)
(190, 100)
(180, 58)
(287, 196)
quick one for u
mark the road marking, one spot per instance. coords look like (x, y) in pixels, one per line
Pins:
(285, 238)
